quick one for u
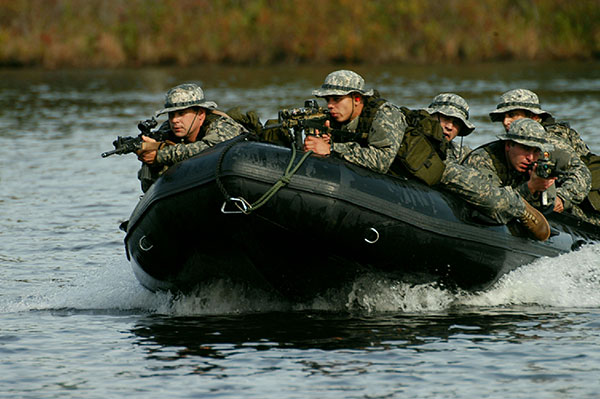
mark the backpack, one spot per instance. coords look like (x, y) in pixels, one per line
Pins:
(423, 149)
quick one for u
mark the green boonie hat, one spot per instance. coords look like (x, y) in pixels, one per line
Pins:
(528, 132)
(340, 83)
(452, 105)
(185, 96)
(518, 99)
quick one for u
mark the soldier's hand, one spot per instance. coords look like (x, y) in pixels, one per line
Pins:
(559, 205)
(537, 184)
(325, 136)
(147, 155)
(318, 145)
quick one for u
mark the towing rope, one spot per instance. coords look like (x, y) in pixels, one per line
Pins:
(241, 203)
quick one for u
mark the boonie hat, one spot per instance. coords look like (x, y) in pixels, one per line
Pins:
(518, 99)
(340, 83)
(528, 132)
(452, 105)
(185, 96)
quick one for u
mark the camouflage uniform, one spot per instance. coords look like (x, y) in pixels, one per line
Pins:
(453, 105)
(574, 187)
(491, 162)
(386, 131)
(469, 183)
(456, 152)
(216, 128)
(478, 189)
(527, 100)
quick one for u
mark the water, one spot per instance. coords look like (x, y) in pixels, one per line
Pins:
(74, 322)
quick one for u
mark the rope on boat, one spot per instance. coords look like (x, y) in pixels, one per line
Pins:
(242, 204)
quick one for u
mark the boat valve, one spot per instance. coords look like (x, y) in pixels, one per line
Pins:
(376, 236)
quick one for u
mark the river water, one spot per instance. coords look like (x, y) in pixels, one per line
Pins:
(75, 323)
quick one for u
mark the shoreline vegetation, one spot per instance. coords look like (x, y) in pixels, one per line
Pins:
(135, 33)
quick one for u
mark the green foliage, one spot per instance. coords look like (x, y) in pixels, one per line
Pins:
(100, 33)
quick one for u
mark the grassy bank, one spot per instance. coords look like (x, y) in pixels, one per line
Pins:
(114, 33)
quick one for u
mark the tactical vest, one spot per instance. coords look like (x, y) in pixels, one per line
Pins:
(495, 150)
(423, 149)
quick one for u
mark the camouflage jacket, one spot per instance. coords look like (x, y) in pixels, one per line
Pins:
(575, 185)
(490, 160)
(383, 140)
(562, 131)
(215, 130)
(500, 203)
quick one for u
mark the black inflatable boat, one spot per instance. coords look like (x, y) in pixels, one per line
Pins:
(331, 222)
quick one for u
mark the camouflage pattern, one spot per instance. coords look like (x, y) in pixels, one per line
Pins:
(563, 132)
(495, 188)
(529, 133)
(477, 188)
(184, 96)
(504, 175)
(528, 100)
(457, 152)
(575, 185)
(518, 99)
(385, 136)
(220, 129)
(452, 105)
(341, 83)
(590, 217)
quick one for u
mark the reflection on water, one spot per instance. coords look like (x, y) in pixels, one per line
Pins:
(223, 336)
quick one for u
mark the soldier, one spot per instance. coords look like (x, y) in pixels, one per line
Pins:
(573, 188)
(506, 168)
(194, 125)
(377, 124)
(453, 113)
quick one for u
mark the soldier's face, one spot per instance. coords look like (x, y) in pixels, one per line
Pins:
(450, 126)
(344, 108)
(186, 123)
(511, 116)
(520, 156)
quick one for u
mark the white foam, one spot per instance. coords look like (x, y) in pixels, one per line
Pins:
(570, 280)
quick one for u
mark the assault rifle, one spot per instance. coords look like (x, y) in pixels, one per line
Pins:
(126, 145)
(552, 164)
(305, 120)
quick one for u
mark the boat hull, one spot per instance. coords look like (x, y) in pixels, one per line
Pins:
(332, 222)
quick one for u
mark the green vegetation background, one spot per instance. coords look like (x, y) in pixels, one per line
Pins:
(115, 33)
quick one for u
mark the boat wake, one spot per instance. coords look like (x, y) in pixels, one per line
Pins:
(567, 281)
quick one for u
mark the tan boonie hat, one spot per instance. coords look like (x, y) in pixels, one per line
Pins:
(518, 99)
(452, 105)
(185, 96)
(341, 83)
(529, 133)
